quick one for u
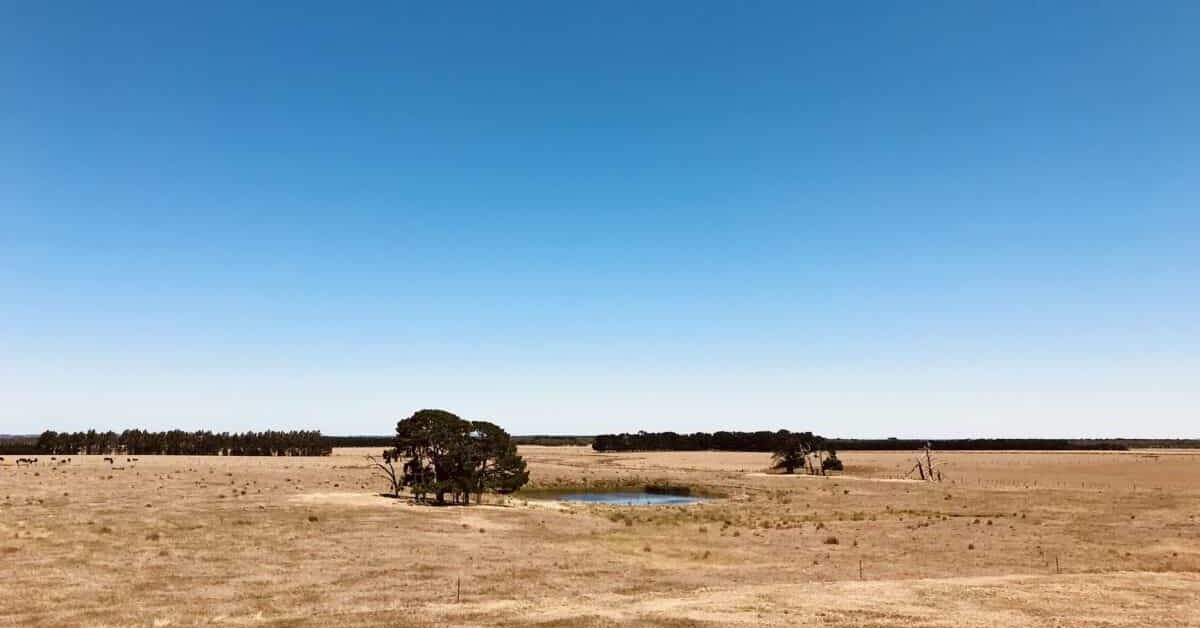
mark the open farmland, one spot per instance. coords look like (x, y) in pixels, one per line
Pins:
(1018, 539)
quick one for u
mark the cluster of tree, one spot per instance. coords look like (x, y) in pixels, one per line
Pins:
(804, 450)
(442, 454)
(179, 442)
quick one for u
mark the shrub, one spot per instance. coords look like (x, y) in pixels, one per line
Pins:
(830, 540)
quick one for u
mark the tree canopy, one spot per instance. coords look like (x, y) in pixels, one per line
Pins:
(441, 453)
(179, 442)
(794, 450)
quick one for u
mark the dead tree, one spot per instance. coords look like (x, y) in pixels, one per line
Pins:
(928, 469)
(388, 469)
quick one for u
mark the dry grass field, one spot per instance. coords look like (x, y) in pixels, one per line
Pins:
(1011, 539)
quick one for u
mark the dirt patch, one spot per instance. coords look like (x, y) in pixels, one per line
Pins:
(353, 500)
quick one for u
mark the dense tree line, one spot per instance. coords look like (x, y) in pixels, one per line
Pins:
(359, 441)
(442, 454)
(532, 439)
(698, 441)
(769, 442)
(978, 444)
(553, 441)
(18, 445)
(179, 442)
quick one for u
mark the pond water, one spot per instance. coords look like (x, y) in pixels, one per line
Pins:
(632, 499)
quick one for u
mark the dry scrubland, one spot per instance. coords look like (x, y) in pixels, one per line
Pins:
(305, 541)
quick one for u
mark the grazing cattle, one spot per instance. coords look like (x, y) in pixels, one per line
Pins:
(26, 461)
(108, 460)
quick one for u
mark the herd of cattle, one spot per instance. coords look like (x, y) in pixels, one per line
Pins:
(57, 460)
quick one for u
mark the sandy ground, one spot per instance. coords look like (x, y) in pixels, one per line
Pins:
(1010, 539)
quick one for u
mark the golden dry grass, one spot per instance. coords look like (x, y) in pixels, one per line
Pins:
(305, 541)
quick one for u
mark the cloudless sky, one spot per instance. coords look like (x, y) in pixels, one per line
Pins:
(858, 218)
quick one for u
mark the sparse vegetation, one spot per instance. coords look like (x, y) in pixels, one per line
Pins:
(201, 527)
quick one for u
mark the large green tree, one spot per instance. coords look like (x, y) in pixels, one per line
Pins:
(443, 454)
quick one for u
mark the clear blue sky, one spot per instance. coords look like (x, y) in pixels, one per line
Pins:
(861, 218)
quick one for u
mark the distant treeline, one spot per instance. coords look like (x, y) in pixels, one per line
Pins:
(977, 444)
(312, 443)
(553, 441)
(359, 441)
(386, 441)
(765, 441)
(176, 442)
(698, 441)
(1017, 444)
(18, 445)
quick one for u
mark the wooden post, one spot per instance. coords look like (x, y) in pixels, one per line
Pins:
(860, 576)
(1056, 567)
(458, 595)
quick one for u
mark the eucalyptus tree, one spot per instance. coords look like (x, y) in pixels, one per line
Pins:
(441, 454)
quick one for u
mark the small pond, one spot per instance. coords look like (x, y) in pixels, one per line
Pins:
(631, 499)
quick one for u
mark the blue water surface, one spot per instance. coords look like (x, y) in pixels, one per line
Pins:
(632, 499)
